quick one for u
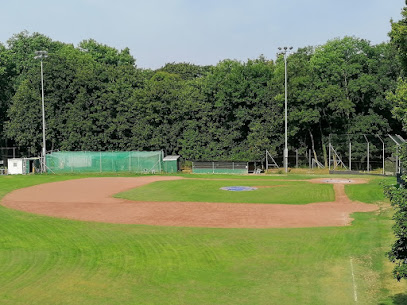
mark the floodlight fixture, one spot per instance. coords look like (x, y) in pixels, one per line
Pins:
(41, 54)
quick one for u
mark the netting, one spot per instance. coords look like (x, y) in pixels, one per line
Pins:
(89, 162)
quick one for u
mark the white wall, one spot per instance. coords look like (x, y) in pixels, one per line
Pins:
(15, 166)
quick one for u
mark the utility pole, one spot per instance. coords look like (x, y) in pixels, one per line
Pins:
(285, 51)
(41, 55)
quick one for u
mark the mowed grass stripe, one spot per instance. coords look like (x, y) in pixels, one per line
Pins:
(57, 261)
(191, 190)
(369, 192)
(163, 271)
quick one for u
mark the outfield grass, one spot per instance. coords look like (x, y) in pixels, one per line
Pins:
(368, 193)
(269, 191)
(46, 260)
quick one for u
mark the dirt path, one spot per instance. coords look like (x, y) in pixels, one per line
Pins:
(90, 199)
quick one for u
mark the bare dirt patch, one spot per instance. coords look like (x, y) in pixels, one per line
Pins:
(339, 180)
(90, 199)
(269, 186)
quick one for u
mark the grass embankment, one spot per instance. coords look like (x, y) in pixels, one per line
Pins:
(269, 191)
(47, 260)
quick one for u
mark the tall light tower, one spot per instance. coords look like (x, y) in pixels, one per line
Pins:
(41, 55)
(285, 51)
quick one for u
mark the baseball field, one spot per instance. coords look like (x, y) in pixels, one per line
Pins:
(81, 239)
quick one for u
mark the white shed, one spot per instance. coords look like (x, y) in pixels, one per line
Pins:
(17, 166)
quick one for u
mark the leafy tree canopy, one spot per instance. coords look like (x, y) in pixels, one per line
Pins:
(97, 99)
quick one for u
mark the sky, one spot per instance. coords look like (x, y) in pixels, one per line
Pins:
(201, 32)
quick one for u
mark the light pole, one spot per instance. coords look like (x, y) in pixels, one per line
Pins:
(41, 55)
(285, 51)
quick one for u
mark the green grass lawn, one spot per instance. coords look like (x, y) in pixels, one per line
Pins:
(46, 260)
(269, 191)
(368, 193)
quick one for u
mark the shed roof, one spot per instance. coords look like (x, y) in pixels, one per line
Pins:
(171, 158)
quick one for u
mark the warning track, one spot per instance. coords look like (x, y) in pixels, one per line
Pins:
(90, 199)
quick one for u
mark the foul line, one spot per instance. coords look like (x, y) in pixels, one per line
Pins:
(355, 295)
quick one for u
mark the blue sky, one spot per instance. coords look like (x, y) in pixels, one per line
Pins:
(200, 31)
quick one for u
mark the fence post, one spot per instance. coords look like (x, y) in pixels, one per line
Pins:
(383, 160)
(112, 163)
(368, 163)
(267, 162)
(329, 155)
(100, 161)
(397, 160)
(368, 167)
(296, 158)
(160, 157)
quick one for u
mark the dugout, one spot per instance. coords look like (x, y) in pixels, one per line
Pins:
(22, 166)
(219, 167)
(171, 164)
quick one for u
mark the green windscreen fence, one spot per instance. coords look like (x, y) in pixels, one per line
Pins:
(218, 167)
(99, 162)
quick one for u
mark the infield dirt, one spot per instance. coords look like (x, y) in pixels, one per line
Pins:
(90, 199)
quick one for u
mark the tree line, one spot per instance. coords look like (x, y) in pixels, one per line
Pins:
(398, 193)
(96, 98)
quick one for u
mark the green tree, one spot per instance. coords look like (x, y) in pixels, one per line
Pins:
(398, 36)
(25, 124)
(16, 59)
(82, 103)
(398, 199)
(6, 88)
(107, 55)
(97, 99)
(350, 78)
(158, 113)
(186, 71)
(235, 116)
(397, 194)
(303, 116)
